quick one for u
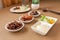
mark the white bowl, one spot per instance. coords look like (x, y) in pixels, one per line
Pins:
(26, 21)
(16, 29)
(35, 15)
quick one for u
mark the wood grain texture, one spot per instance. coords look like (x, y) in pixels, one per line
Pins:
(7, 3)
(26, 33)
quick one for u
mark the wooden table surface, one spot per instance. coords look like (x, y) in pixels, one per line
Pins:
(26, 33)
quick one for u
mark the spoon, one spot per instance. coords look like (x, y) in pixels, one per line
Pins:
(47, 10)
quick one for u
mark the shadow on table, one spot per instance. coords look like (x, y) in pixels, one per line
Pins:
(21, 32)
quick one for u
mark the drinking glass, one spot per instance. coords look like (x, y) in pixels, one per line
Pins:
(25, 2)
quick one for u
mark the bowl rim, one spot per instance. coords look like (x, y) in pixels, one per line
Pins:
(16, 29)
(28, 21)
(29, 13)
(12, 10)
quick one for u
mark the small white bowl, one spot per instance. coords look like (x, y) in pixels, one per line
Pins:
(16, 29)
(35, 15)
(26, 21)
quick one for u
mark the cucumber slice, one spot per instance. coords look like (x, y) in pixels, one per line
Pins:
(42, 17)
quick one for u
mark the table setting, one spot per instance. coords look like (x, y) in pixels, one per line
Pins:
(30, 21)
(43, 24)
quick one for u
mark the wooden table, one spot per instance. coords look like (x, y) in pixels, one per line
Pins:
(26, 33)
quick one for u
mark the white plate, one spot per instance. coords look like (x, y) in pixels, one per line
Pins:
(35, 15)
(26, 21)
(43, 30)
(22, 10)
(16, 29)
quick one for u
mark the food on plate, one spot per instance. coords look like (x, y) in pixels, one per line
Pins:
(49, 20)
(42, 17)
(17, 7)
(21, 8)
(41, 28)
(24, 7)
(27, 17)
(14, 25)
(34, 12)
(44, 24)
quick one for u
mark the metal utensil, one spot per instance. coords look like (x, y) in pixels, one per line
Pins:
(47, 10)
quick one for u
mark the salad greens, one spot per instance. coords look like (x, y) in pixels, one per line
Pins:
(47, 20)
(44, 18)
(26, 6)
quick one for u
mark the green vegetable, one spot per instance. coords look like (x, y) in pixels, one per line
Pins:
(47, 20)
(26, 7)
(42, 17)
